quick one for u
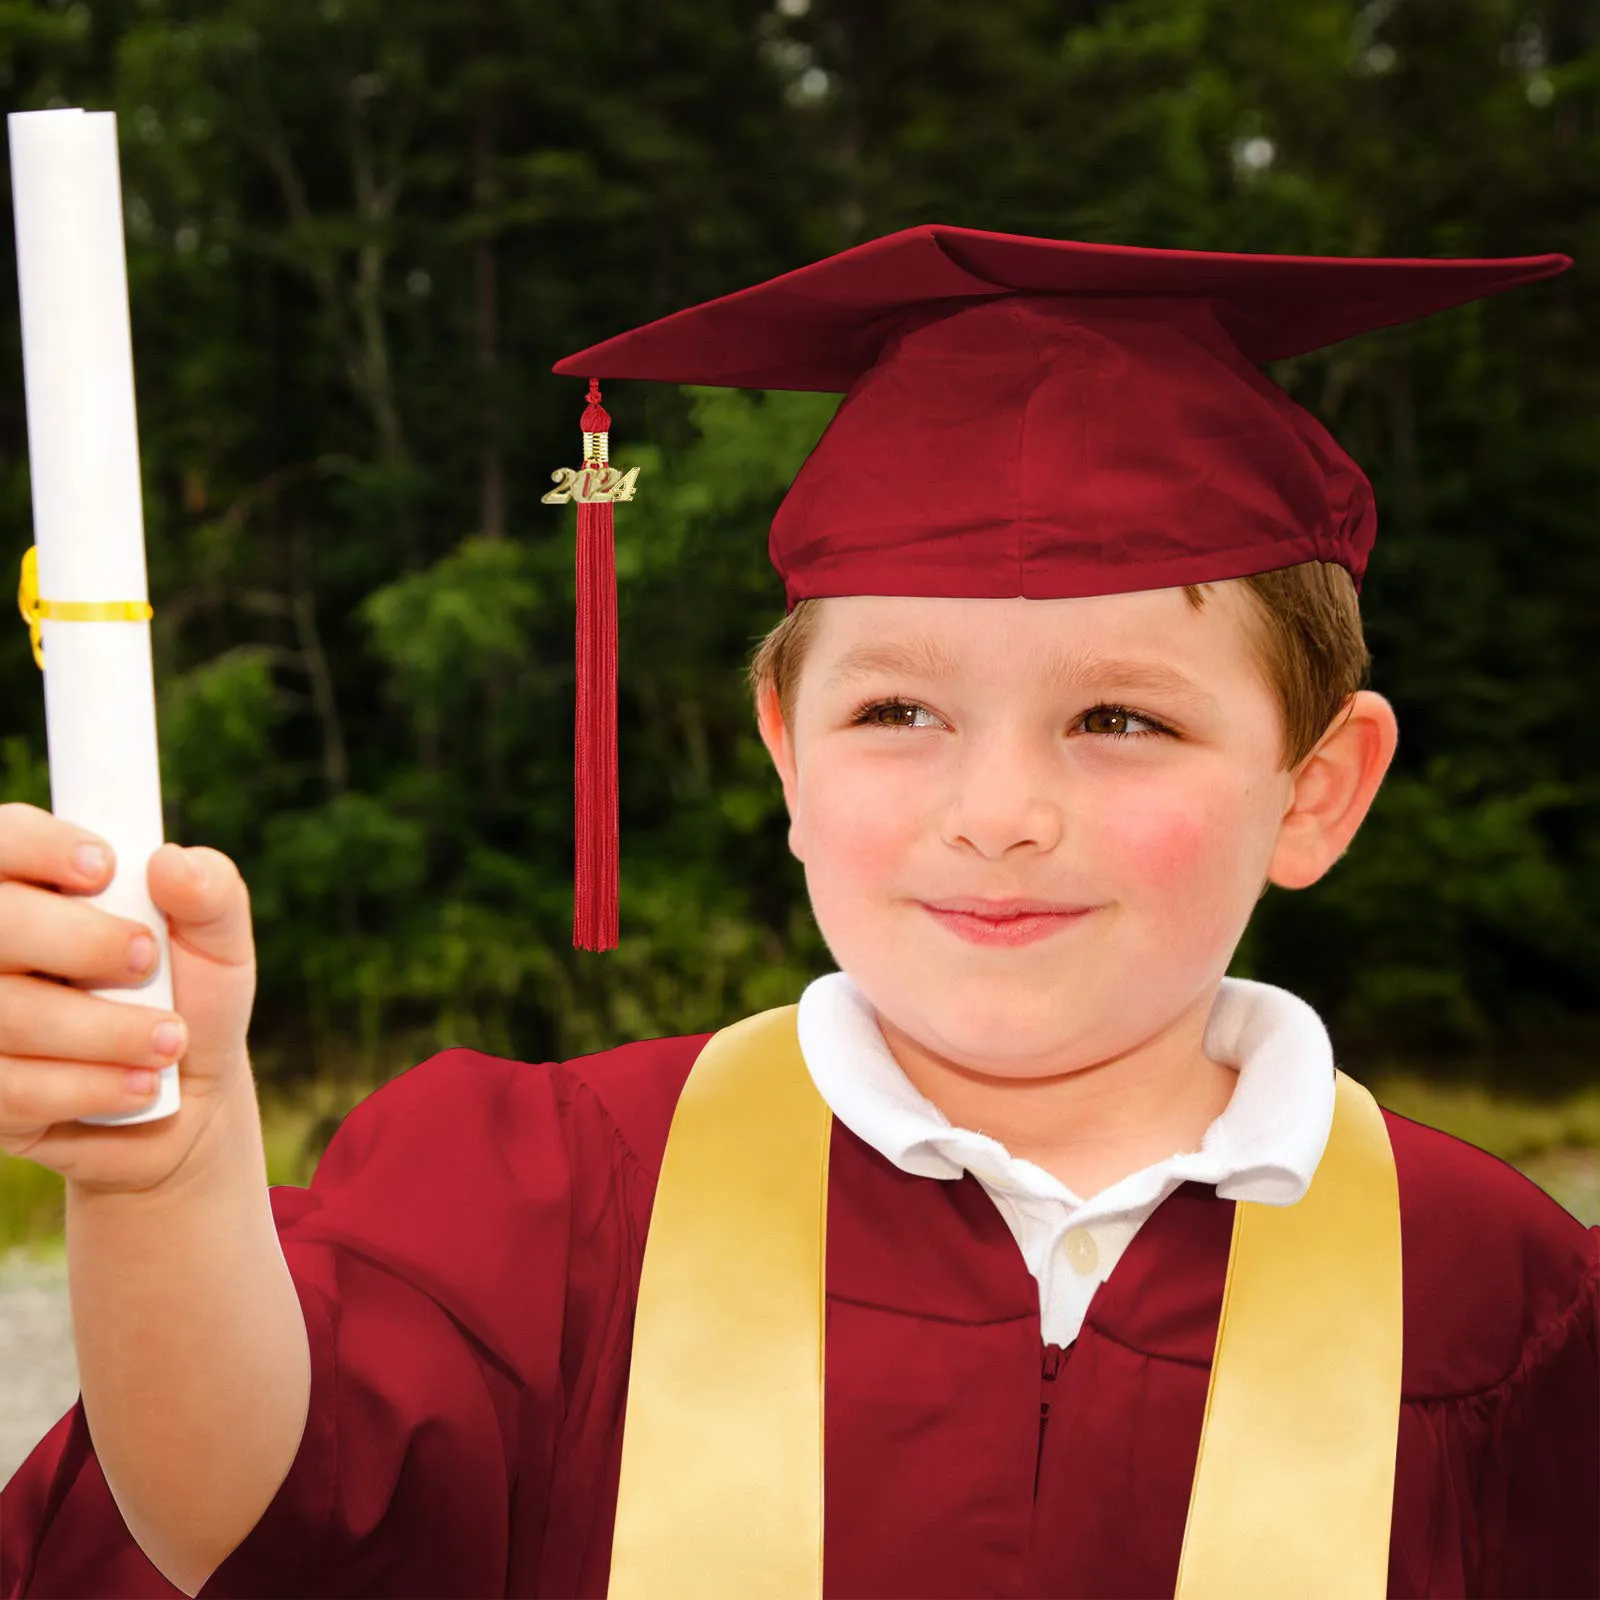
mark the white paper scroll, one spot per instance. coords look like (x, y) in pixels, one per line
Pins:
(83, 449)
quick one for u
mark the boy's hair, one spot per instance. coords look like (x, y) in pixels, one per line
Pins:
(1308, 639)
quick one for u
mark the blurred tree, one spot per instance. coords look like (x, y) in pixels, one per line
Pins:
(359, 232)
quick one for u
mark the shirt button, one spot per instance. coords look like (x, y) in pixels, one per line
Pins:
(1081, 1250)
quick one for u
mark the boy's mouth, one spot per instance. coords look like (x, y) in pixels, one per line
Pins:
(995, 910)
(1003, 922)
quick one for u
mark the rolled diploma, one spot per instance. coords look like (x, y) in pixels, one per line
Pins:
(83, 449)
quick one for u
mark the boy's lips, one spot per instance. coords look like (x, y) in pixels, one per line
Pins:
(994, 910)
(1003, 922)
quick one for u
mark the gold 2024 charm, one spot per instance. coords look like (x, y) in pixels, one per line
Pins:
(591, 485)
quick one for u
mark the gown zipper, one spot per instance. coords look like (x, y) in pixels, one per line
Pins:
(1054, 1359)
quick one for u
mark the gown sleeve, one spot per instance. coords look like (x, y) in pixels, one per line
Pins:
(1540, 1510)
(430, 1257)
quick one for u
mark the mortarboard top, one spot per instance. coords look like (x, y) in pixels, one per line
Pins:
(821, 326)
(1044, 418)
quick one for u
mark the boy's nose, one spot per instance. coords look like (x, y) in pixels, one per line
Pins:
(1003, 798)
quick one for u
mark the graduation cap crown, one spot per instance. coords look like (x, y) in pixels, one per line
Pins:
(1032, 417)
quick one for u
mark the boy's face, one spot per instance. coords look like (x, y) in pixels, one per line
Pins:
(1017, 766)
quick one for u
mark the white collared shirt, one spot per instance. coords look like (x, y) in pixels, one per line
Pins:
(1264, 1145)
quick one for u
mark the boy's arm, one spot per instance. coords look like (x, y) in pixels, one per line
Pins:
(429, 1258)
(193, 1356)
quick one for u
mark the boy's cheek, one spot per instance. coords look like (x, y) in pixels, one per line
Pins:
(855, 854)
(1180, 868)
(856, 825)
(1161, 847)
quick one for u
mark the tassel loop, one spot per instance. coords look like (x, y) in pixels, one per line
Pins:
(596, 430)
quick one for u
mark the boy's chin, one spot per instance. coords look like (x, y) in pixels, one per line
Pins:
(987, 1021)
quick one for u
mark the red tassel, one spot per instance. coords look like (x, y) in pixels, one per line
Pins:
(594, 900)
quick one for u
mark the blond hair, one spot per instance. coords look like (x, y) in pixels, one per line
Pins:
(1307, 636)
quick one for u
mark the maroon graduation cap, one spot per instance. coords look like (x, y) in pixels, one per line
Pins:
(1031, 417)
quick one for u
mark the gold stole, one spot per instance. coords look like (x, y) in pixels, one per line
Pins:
(721, 1488)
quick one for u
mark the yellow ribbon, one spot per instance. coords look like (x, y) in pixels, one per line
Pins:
(34, 610)
(720, 1496)
(1294, 1482)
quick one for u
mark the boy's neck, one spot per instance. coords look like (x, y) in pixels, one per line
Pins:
(1088, 1128)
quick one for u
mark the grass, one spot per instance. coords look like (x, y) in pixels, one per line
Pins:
(1557, 1143)
(1509, 1127)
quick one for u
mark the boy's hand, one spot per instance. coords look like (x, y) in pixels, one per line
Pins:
(65, 1053)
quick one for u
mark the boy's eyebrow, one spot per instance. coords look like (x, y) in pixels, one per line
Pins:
(920, 657)
(927, 658)
(1155, 676)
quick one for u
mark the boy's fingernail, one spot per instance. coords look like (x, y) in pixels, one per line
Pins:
(191, 865)
(141, 952)
(90, 859)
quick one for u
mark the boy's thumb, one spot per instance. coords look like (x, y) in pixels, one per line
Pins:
(201, 891)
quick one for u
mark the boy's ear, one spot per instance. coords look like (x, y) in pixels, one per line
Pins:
(775, 736)
(1333, 789)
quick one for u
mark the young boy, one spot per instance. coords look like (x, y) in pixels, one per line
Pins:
(1072, 671)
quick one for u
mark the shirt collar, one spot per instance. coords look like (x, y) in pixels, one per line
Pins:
(1264, 1146)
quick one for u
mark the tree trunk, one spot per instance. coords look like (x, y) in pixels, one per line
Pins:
(491, 478)
(335, 757)
(486, 194)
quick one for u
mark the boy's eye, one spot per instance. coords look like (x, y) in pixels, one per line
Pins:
(1116, 722)
(890, 714)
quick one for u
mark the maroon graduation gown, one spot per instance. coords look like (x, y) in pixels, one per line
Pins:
(468, 1254)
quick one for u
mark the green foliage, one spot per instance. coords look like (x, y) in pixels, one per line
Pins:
(215, 725)
(24, 773)
(1451, 914)
(438, 632)
(360, 232)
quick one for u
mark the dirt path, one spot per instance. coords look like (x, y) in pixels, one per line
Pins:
(38, 1371)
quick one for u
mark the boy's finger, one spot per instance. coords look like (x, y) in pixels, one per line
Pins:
(40, 1019)
(206, 900)
(35, 1095)
(62, 936)
(40, 847)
